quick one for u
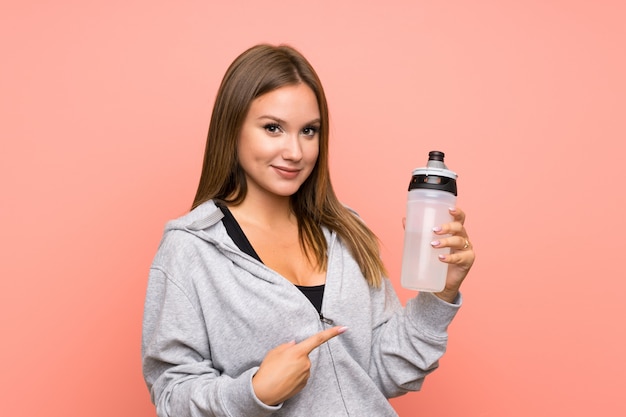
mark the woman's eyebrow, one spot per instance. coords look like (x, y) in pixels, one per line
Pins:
(281, 121)
(274, 118)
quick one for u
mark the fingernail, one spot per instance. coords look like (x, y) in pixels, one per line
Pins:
(437, 229)
(435, 243)
(452, 209)
(342, 329)
(442, 257)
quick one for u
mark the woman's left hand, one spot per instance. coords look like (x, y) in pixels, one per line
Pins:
(461, 255)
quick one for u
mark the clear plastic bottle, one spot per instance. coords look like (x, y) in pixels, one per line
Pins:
(432, 192)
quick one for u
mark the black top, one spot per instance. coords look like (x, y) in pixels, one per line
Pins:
(315, 294)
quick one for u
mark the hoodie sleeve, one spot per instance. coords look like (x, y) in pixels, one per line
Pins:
(408, 342)
(177, 363)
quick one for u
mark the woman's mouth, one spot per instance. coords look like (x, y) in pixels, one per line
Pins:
(286, 173)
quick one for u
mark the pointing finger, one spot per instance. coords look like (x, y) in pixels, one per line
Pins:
(310, 343)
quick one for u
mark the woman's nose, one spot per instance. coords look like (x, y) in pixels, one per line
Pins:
(292, 149)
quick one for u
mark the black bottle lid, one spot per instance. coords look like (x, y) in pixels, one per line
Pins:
(435, 175)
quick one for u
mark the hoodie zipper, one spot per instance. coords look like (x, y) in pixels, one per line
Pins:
(326, 320)
(328, 348)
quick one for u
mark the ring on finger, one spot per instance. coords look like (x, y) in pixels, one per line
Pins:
(467, 244)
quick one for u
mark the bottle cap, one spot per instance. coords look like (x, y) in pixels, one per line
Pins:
(435, 175)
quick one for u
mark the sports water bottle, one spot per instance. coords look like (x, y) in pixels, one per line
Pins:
(432, 193)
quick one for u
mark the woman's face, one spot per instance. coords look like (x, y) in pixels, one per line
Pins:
(279, 141)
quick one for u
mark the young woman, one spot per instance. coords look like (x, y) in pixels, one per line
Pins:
(269, 297)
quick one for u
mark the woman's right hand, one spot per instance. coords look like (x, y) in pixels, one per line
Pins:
(285, 369)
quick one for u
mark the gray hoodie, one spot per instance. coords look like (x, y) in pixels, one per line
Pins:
(212, 313)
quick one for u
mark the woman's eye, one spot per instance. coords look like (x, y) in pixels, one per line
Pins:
(272, 128)
(309, 131)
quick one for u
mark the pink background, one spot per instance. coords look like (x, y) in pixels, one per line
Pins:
(104, 107)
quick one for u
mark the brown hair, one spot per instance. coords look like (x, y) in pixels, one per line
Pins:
(257, 71)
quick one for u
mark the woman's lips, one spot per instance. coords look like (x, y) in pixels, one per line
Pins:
(287, 173)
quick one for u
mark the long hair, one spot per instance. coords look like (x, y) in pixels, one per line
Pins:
(257, 71)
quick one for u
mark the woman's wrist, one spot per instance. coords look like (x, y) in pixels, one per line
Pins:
(448, 296)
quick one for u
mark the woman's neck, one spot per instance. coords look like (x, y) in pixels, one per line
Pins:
(264, 211)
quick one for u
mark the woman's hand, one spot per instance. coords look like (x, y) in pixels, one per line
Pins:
(461, 255)
(285, 369)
